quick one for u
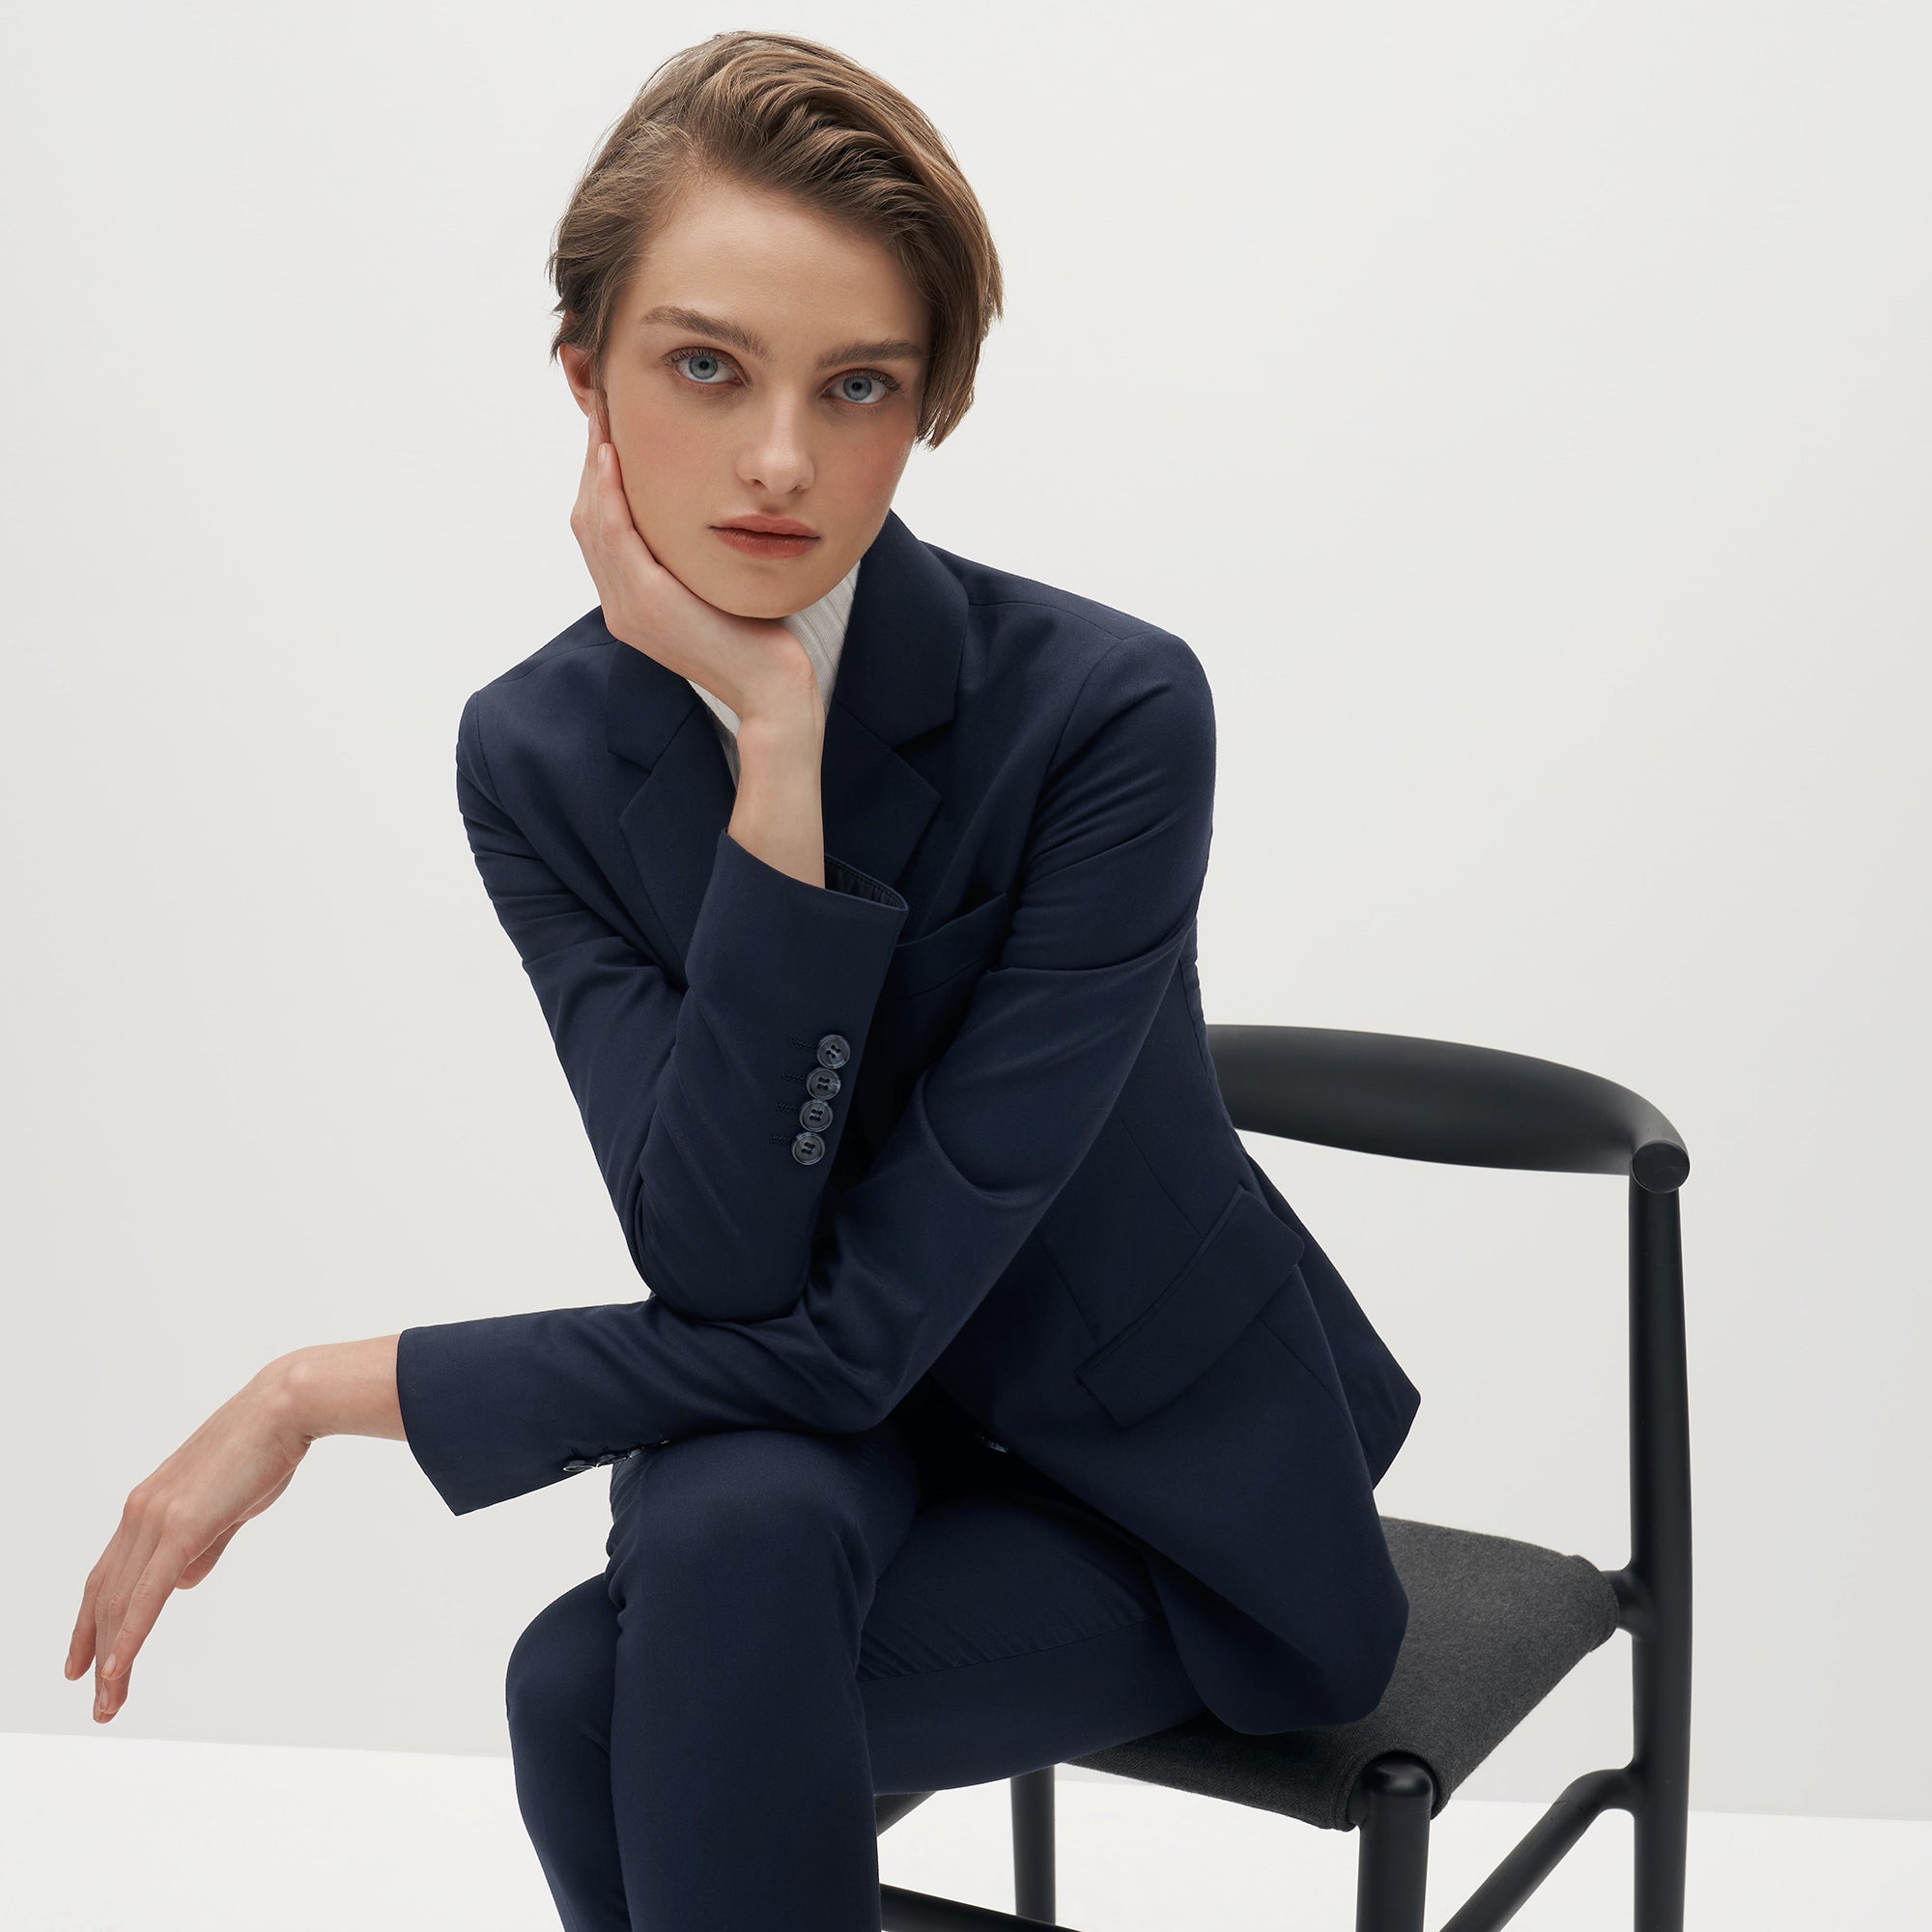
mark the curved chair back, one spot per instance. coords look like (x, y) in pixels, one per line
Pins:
(1438, 1099)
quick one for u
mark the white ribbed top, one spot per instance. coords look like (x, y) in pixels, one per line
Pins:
(821, 629)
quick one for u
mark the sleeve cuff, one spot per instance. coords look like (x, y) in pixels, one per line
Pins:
(847, 898)
(839, 877)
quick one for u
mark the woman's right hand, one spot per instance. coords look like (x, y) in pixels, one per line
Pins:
(751, 663)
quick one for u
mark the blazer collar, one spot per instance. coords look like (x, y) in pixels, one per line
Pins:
(899, 677)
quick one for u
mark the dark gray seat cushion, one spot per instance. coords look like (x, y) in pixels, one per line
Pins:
(1494, 1625)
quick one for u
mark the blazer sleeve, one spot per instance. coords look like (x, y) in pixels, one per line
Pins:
(1109, 885)
(691, 1096)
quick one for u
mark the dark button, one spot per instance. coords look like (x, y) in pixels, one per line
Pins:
(815, 1114)
(833, 1050)
(990, 1444)
(821, 1082)
(806, 1148)
(575, 1463)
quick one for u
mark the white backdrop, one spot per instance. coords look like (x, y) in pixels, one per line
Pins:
(1522, 411)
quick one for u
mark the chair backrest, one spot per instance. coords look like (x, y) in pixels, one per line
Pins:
(1438, 1099)
(1478, 1106)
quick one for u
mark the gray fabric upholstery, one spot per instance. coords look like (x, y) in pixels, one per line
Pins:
(1494, 1625)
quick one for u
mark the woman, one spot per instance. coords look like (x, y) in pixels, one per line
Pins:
(990, 1405)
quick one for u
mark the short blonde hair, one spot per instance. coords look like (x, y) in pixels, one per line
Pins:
(795, 118)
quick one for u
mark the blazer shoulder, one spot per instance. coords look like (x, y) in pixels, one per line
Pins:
(565, 676)
(990, 592)
(1074, 653)
(577, 648)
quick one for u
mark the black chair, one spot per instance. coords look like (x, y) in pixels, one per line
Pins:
(1495, 1623)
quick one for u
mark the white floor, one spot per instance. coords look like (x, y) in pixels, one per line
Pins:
(129, 1834)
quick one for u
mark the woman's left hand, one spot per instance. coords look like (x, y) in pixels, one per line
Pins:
(176, 1524)
(743, 661)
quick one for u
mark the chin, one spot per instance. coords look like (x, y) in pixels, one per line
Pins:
(770, 596)
(749, 591)
(769, 607)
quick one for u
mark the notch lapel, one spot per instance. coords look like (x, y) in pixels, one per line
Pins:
(899, 677)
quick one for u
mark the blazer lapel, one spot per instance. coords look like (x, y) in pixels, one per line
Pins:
(898, 676)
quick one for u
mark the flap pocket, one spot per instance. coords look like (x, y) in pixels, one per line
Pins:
(1232, 1276)
(920, 964)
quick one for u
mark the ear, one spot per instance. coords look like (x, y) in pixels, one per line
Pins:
(578, 374)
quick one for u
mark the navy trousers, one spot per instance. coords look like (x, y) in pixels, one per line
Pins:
(789, 1624)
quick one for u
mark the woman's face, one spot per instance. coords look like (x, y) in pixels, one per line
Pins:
(766, 362)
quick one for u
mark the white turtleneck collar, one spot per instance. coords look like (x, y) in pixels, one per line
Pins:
(821, 629)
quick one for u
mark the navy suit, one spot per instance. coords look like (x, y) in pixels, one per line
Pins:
(1020, 1187)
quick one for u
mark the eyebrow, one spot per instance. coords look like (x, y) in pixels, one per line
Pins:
(893, 348)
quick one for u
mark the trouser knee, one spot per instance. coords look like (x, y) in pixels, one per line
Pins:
(743, 1496)
(559, 1677)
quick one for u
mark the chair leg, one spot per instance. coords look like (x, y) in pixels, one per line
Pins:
(1657, 1589)
(1663, 1820)
(1391, 1806)
(1033, 1845)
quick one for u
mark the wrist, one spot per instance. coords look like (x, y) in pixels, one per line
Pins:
(786, 704)
(281, 1394)
(338, 1388)
(782, 748)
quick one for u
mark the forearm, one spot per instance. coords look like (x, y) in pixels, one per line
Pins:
(778, 816)
(692, 1084)
(341, 1388)
(717, 1164)
(499, 1405)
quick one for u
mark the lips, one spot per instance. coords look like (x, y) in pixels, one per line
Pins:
(768, 527)
(762, 543)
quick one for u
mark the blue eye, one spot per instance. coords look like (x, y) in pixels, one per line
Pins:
(863, 376)
(699, 364)
(697, 355)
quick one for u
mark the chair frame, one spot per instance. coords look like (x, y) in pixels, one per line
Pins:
(1474, 1106)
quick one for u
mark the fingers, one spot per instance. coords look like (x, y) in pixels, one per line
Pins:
(126, 1562)
(152, 1589)
(609, 508)
(81, 1645)
(593, 455)
(124, 1597)
(584, 509)
(627, 573)
(613, 512)
(622, 539)
(85, 1645)
(586, 515)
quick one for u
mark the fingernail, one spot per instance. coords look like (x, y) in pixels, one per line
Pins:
(107, 1668)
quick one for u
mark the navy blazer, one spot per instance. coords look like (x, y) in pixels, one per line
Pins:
(951, 1115)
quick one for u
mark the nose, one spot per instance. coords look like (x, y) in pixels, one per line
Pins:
(778, 458)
